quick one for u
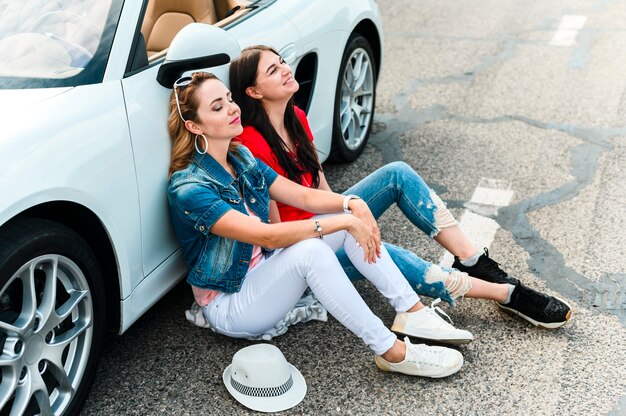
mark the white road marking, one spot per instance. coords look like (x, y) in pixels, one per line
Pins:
(568, 30)
(481, 230)
(492, 196)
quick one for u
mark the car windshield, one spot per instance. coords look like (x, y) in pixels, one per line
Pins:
(56, 43)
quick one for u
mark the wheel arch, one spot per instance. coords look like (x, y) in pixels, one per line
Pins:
(87, 224)
(307, 69)
(369, 31)
(366, 34)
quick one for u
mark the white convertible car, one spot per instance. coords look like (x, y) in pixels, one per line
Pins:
(86, 244)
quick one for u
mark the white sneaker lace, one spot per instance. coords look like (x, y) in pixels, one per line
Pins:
(433, 308)
(420, 353)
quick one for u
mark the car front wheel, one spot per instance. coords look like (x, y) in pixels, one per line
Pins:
(51, 318)
(355, 99)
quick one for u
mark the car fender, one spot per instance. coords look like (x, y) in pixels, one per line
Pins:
(73, 159)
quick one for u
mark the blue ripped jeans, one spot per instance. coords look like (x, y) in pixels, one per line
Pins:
(398, 183)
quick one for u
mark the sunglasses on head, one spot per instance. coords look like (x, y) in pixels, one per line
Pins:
(181, 83)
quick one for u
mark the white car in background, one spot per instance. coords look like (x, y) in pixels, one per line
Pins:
(86, 244)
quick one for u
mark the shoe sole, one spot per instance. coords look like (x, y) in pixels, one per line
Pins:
(544, 325)
(449, 373)
(438, 340)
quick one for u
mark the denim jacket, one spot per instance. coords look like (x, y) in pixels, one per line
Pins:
(198, 196)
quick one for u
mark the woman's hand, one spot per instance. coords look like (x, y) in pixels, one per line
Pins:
(365, 238)
(362, 211)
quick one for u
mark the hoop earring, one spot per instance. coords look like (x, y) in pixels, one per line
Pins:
(206, 144)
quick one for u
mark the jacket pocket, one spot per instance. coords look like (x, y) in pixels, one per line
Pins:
(230, 195)
(258, 181)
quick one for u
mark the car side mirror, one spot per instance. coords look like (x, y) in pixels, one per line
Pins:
(198, 46)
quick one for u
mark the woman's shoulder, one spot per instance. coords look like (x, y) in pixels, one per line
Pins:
(247, 157)
(192, 174)
(299, 112)
(249, 160)
(250, 135)
(254, 141)
(186, 183)
(245, 154)
(186, 174)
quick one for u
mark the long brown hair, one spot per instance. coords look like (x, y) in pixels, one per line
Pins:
(243, 74)
(183, 140)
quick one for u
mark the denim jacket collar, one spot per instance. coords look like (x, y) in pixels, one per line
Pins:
(212, 167)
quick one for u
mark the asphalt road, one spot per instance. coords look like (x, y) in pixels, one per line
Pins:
(472, 93)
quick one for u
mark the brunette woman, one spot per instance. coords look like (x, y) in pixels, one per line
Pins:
(277, 132)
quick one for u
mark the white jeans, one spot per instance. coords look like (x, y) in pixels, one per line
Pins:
(272, 288)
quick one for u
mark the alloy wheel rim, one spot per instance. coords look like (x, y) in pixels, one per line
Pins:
(357, 98)
(46, 317)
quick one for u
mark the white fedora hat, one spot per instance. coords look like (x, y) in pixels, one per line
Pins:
(261, 379)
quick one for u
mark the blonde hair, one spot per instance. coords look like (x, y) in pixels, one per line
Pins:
(183, 141)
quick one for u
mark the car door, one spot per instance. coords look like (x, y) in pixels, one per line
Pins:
(147, 109)
(273, 29)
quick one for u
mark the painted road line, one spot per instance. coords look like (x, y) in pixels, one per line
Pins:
(568, 30)
(489, 195)
(492, 196)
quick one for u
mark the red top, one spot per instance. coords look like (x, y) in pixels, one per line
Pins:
(253, 140)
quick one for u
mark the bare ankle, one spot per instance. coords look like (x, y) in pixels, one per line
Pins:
(468, 253)
(396, 353)
(418, 306)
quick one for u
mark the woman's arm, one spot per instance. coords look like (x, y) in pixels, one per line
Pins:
(361, 210)
(323, 182)
(274, 213)
(309, 199)
(241, 227)
(318, 201)
(359, 207)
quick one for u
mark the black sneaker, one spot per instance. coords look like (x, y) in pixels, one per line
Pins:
(537, 308)
(486, 269)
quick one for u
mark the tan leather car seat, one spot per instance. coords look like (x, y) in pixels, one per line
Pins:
(164, 18)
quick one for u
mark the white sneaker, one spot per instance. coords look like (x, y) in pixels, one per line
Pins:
(428, 324)
(424, 360)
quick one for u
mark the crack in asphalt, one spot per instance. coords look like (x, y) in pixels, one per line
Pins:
(608, 293)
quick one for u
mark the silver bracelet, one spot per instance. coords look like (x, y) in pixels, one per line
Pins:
(318, 229)
(346, 200)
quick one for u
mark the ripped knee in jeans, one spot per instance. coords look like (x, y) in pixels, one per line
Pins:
(457, 283)
(443, 217)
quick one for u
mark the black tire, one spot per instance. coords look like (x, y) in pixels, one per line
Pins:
(60, 345)
(351, 130)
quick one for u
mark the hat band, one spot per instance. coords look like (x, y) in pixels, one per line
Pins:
(262, 391)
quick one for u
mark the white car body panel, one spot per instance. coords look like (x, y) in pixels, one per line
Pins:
(123, 41)
(84, 157)
(151, 146)
(16, 100)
